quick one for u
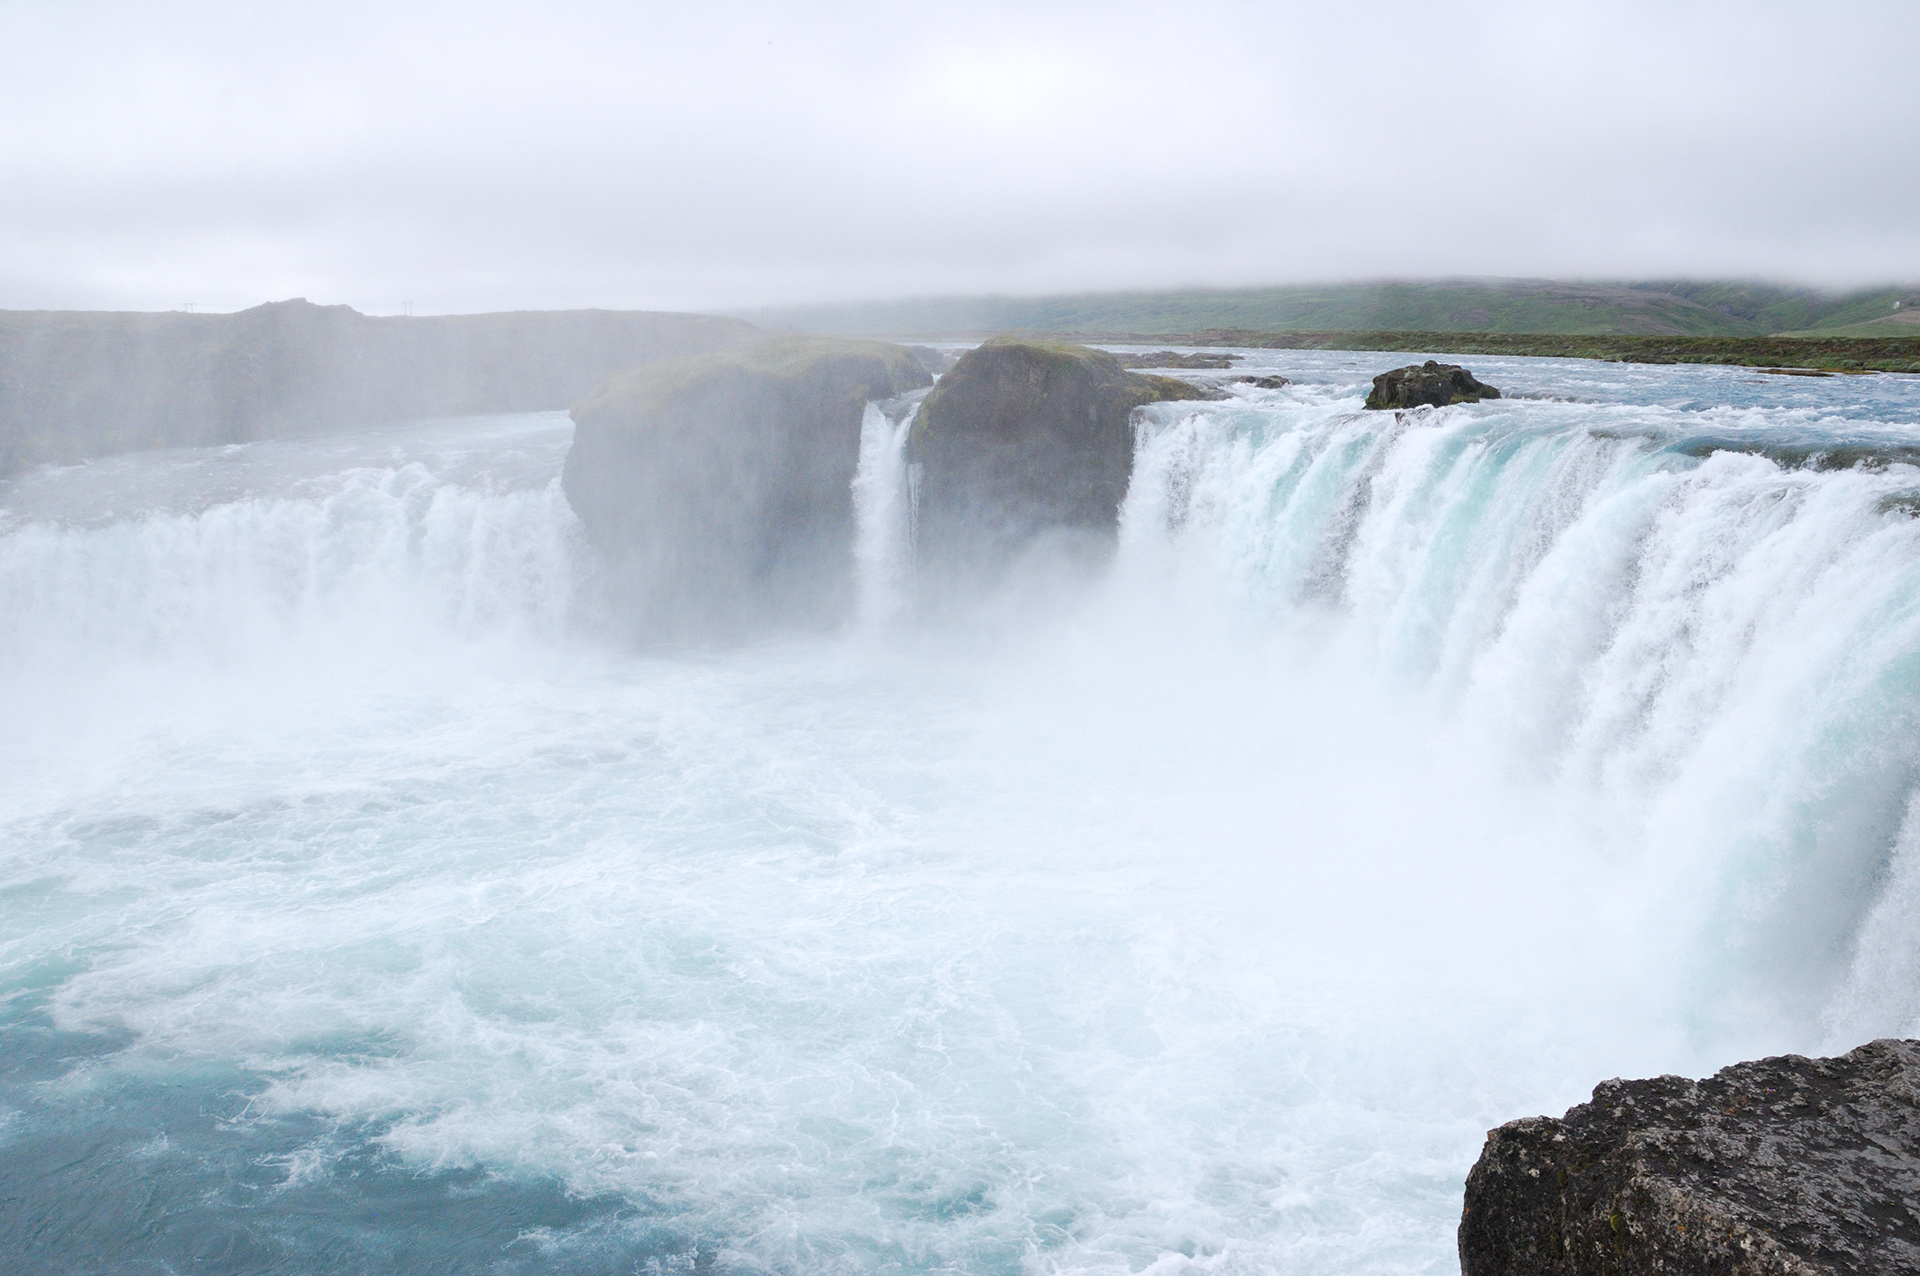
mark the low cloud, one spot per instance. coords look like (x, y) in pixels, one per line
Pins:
(483, 156)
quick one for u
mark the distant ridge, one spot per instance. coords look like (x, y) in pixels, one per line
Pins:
(79, 384)
(1537, 306)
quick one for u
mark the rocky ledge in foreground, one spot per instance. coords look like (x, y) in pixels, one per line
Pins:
(1782, 1167)
(1431, 384)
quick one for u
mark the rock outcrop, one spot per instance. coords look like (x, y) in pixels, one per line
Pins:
(1178, 359)
(1783, 1167)
(77, 384)
(1431, 383)
(1025, 436)
(718, 488)
(934, 359)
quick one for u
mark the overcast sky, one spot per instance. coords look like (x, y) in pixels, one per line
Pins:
(478, 156)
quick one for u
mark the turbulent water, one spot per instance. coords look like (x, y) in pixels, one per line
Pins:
(364, 908)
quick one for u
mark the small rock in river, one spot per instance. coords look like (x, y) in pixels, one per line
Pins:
(1434, 384)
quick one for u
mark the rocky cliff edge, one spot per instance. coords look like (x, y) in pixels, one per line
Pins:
(1781, 1167)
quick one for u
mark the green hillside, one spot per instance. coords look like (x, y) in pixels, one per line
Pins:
(1656, 308)
(1782, 310)
(1904, 322)
(1879, 328)
(1827, 351)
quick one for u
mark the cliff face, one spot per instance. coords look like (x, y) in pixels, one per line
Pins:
(1781, 1167)
(718, 489)
(79, 384)
(1022, 437)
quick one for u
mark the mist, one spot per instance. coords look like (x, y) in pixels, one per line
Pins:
(1194, 908)
(471, 158)
(520, 762)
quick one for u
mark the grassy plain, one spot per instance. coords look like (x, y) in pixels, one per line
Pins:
(1833, 353)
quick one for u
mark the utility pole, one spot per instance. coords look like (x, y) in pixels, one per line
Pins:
(408, 307)
(189, 305)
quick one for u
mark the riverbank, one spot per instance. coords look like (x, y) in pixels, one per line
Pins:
(1838, 354)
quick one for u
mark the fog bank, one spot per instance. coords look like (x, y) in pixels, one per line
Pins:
(489, 157)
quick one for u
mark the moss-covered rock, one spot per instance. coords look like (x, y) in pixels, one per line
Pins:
(1022, 436)
(718, 487)
(1429, 384)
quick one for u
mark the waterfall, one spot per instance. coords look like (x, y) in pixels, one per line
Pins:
(1723, 651)
(383, 552)
(1397, 776)
(884, 508)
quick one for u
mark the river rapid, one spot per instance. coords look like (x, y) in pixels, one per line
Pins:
(368, 905)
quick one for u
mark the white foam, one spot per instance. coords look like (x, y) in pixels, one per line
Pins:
(1401, 778)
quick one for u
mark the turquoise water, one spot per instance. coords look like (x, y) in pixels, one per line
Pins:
(364, 906)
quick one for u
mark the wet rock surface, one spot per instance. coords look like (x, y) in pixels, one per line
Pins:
(1429, 384)
(1021, 437)
(718, 489)
(1264, 383)
(1784, 1167)
(1872, 455)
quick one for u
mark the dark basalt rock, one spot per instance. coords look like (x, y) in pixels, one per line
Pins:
(1265, 383)
(718, 488)
(1783, 1167)
(1021, 437)
(1428, 384)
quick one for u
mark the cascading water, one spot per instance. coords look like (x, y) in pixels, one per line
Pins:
(361, 908)
(221, 554)
(883, 549)
(1722, 654)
